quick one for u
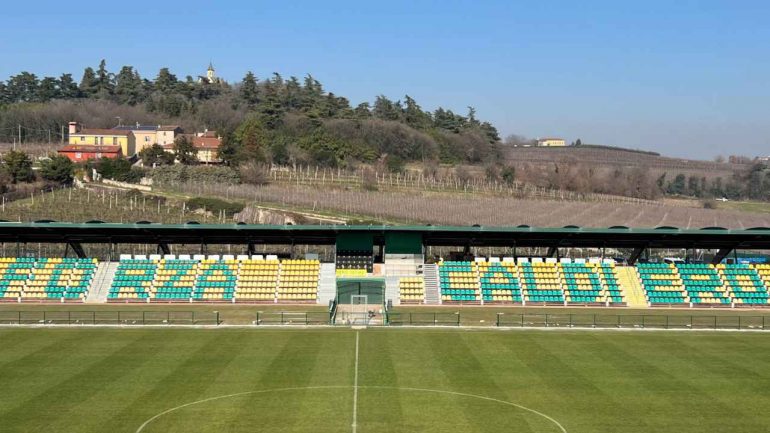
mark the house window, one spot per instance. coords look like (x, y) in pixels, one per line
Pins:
(78, 155)
(99, 155)
(146, 138)
(82, 138)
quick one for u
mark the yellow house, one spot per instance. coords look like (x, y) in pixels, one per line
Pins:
(551, 142)
(102, 137)
(147, 135)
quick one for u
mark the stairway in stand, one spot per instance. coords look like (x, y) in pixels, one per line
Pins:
(100, 286)
(432, 291)
(327, 283)
(632, 287)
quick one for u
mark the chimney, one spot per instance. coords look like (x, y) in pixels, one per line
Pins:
(74, 127)
(137, 125)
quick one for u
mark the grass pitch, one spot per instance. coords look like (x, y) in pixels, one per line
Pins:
(115, 380)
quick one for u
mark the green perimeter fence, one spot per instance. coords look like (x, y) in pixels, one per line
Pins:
(631, 321)
(427, 318)
(53, 317)
(293, 318)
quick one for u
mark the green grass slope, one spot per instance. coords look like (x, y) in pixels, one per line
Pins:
(114, 380)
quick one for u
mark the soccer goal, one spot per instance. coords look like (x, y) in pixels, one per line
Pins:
(359, 310)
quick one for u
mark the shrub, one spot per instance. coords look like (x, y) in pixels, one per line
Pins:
(253, 173)
(199, 173)
(215, 205)
(57, 168)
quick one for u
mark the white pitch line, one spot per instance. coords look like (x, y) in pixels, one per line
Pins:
(355, 391)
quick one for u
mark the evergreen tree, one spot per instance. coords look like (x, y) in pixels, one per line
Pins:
(229, 149)
(155, 155)
(414, 116)
(67, 87)
(104, 80)
(166, 82)
(128, 86)
(18, 165)
(362, 111)
(48, 89)
(23, 87)
(184, 151)
(57, 168)
(249, 92)
(88, 84)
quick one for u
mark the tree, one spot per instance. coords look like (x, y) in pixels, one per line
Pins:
(128, 86)
(88, 84)
(185, 151)
(57, 168)
(67, 87)
(229, 149)
(155, 155)
(119, 169)
(677, 187)
(18, 165)
(249, 91)
(48, 89)
(23, 87)
(508, 174)
(252, 138)
(166, 82)
(104, 84)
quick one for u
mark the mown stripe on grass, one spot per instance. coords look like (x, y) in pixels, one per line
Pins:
(464, 373)
(79, 363)
(377, 366)
(182, 364)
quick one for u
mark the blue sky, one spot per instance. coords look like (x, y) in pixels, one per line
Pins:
(686, 78)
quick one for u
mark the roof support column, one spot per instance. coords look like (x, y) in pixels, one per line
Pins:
(163, 248)
(551, 251)
(635, 254)
(77, 248)
(721, 254)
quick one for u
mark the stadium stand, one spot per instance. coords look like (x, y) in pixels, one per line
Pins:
(174, 280)
(702, 283)
(59, 279)
(459, 281)
(257, 280)
(609, 277)
(662, 284)
(298, 280)
(411, 290)
(358, 260)
(14, 273)
(499, 281)
(133, 280)
(764, 273)
(216, 280)
(581, 283)
(540, 282)
(743, 284)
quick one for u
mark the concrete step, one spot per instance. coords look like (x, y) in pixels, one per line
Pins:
(100, 286)
(432, 290)
(628, 279)
(327, 283)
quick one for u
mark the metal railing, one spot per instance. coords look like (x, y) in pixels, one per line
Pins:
(428, 319)
(293, 318)
(632, 321)
(106, 317)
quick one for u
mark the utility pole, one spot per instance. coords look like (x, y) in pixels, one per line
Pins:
(62, 135)
(19, 135)
(49, 136)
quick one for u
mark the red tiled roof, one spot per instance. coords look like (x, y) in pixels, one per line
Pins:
(206, 142)
(100, 131)
(89, 148)
(199, 142)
